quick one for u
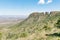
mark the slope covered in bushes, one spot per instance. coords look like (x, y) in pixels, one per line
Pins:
(38, 26)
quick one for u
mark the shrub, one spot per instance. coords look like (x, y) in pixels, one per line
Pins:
(24, 34)
(0, 36)
(58, 24)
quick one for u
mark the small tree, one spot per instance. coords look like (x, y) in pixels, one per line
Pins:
(58, 24)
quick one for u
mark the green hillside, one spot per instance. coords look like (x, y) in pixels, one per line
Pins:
(38, 26)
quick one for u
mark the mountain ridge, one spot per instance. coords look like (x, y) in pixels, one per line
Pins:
(38, 26)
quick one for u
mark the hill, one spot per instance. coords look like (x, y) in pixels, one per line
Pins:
(38, 26)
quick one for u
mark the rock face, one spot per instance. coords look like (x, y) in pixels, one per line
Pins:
(38, 26)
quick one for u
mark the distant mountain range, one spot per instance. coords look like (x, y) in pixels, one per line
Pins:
(13, 16)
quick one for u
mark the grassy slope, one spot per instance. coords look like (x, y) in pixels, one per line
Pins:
(37, 26)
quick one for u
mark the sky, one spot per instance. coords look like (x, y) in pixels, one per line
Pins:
(26, 7)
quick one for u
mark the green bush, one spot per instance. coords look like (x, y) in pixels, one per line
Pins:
(47, 28)
(11, 35)
(58, 24)
(0, 36)
(23, 34)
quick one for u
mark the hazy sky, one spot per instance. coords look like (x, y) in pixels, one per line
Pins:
(25, 7)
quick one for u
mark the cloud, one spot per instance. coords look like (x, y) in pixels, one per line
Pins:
(44, 1)
(41, 2)
(49, 1)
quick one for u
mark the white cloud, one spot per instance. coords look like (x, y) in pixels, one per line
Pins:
(49, 1)
(43, 1)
